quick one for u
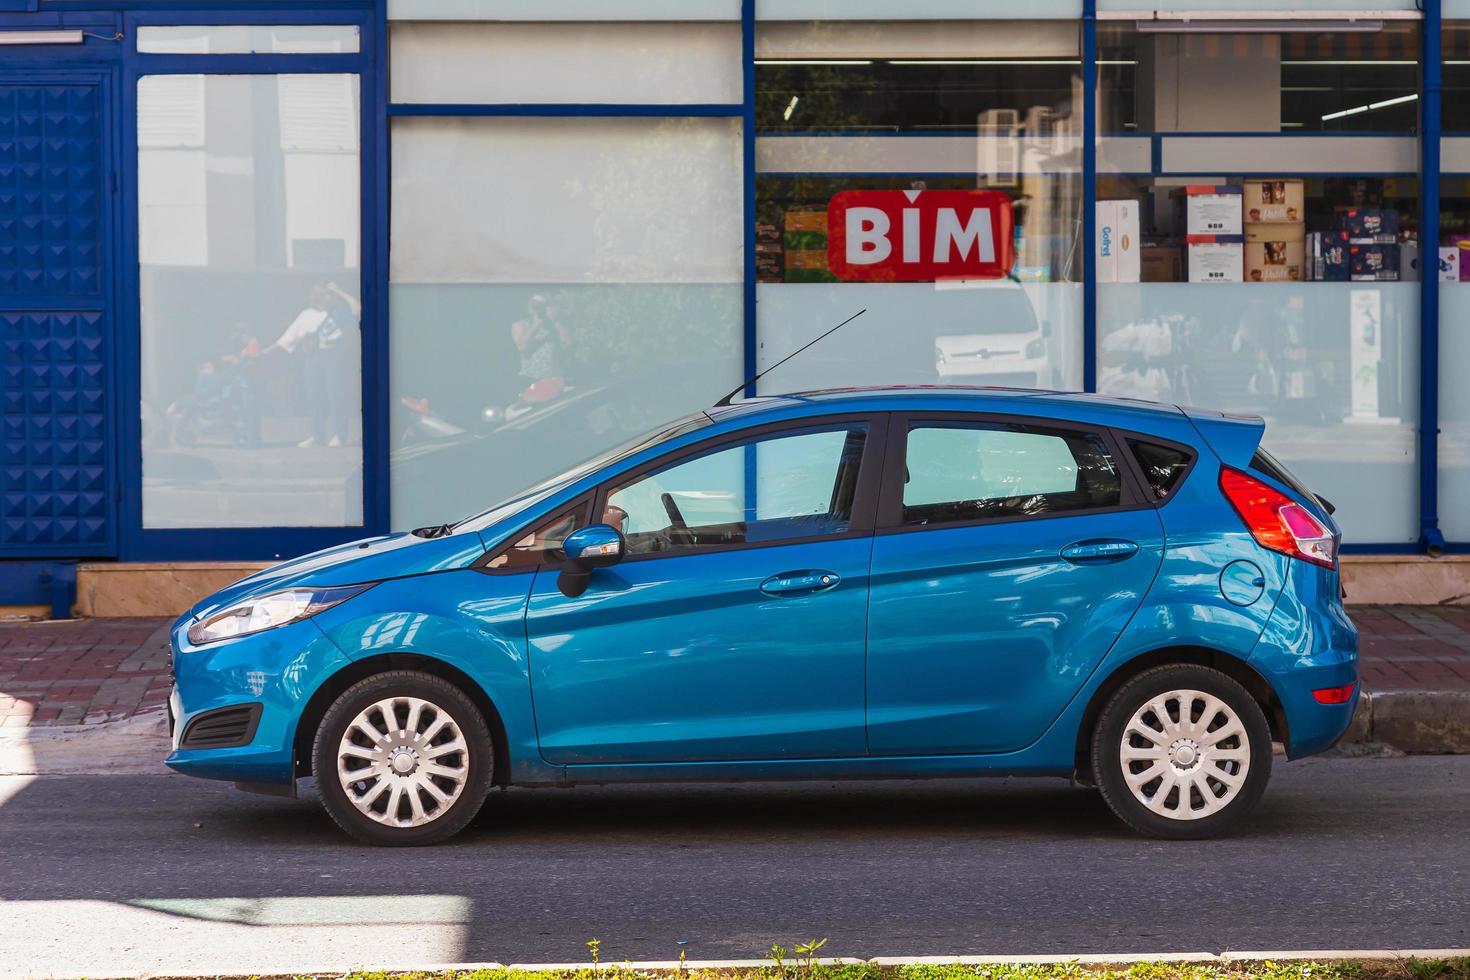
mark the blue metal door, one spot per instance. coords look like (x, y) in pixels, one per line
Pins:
(57, 487)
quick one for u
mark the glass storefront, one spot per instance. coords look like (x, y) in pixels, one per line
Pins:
(919, 107)
(557, 287)
(250, 263)
(1276, 272)
(458, 251)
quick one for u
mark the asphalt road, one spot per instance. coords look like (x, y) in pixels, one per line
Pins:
(170, 874)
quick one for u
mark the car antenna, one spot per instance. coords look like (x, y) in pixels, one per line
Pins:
(746, 384)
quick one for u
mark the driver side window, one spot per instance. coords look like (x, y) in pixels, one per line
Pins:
(772, 488)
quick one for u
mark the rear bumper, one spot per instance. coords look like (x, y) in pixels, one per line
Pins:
(1309, 644)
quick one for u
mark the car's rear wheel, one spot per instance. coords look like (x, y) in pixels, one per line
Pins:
(1182, 752)
(403, 758)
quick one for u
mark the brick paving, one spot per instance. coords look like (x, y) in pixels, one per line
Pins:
(81, 672)
(88, 671)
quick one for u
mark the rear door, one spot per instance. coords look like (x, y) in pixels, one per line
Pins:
(1009, 556)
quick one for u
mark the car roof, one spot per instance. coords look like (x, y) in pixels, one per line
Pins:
(1081, 406)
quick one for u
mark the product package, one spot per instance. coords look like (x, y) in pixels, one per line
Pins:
(1162, 263)
(1274, 252)
(1274, 201)
(1373, 262)
(1329, 256)
(1449, 263)
(1409, 261)
(1274, 261)
(1367, 226)
(1117, 241)
(1461, 245)
(1216, 258)
(1210, 209)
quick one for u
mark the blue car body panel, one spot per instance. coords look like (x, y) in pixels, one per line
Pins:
(751, 676)
(979, 636)
(949, 650)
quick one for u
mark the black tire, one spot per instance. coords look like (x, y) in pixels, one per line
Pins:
(479, 758)
(1110, 772)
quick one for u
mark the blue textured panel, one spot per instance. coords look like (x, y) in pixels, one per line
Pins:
(54, 428)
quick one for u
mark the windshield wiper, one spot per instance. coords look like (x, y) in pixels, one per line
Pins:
(435, 531)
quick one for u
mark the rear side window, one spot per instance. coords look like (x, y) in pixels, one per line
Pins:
(1264, 462)
(957, 472)
(1163, 466)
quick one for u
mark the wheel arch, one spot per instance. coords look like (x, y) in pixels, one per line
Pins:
(359, 670)
(1229, 664)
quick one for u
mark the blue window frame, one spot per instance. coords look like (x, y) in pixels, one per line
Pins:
(138, 542)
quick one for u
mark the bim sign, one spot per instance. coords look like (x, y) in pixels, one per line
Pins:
(919, 236)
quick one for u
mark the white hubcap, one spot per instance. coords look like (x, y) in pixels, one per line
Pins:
(1185, 755)
(403, 762)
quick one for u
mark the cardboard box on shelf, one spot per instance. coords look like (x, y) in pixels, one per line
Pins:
(1274, 201)
(1373, 262)
(1117, 241)
(1449, 263)
(1216, 258)
(1370, 225)
(1209, 209)
(1274, 261)
(1161, 263)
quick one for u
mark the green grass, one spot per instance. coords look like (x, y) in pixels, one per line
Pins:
(795, 968)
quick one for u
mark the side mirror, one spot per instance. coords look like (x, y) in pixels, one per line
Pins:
(587, 548)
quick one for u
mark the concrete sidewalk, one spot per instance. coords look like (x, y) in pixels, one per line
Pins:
(58, 680)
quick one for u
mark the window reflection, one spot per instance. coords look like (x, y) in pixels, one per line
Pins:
(248, 208)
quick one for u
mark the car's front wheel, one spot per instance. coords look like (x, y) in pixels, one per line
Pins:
(1182, 752)
(403, 758)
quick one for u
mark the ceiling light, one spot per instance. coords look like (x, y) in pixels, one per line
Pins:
(1258, 26)
(811, 61)
(982, 61)
(1357, 110)
(790, 108)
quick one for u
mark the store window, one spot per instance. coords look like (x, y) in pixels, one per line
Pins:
(249, 39)
(1275, 264)
(651, 62)
(249, 253)
(1451, 263)
(921, 116)
(557, 286)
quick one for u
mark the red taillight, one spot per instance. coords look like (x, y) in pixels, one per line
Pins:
(1334, 695)
(1276, 521)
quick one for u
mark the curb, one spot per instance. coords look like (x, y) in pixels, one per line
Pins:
(1414, 722)
(1092, 959)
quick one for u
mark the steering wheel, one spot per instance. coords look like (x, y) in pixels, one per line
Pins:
(677, 524)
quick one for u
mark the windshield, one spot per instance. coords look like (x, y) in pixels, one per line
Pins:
(544, 489)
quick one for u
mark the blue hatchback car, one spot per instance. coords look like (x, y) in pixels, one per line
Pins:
(899, 582)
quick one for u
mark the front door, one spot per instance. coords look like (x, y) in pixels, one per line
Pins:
(57, 485)
(734, 626)
(1012, 558)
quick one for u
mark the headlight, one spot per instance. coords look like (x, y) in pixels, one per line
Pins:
(267, 612)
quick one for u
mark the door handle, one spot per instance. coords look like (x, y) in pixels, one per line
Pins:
(800, 583)
(1099, 552)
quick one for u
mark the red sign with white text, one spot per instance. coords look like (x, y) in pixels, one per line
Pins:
(919, 236)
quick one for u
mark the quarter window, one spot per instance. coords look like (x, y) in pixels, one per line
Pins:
(1163, 466)
(976, 472)
(543, 544)
(771, 489)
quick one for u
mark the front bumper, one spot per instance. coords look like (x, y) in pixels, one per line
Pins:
(278, 669)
